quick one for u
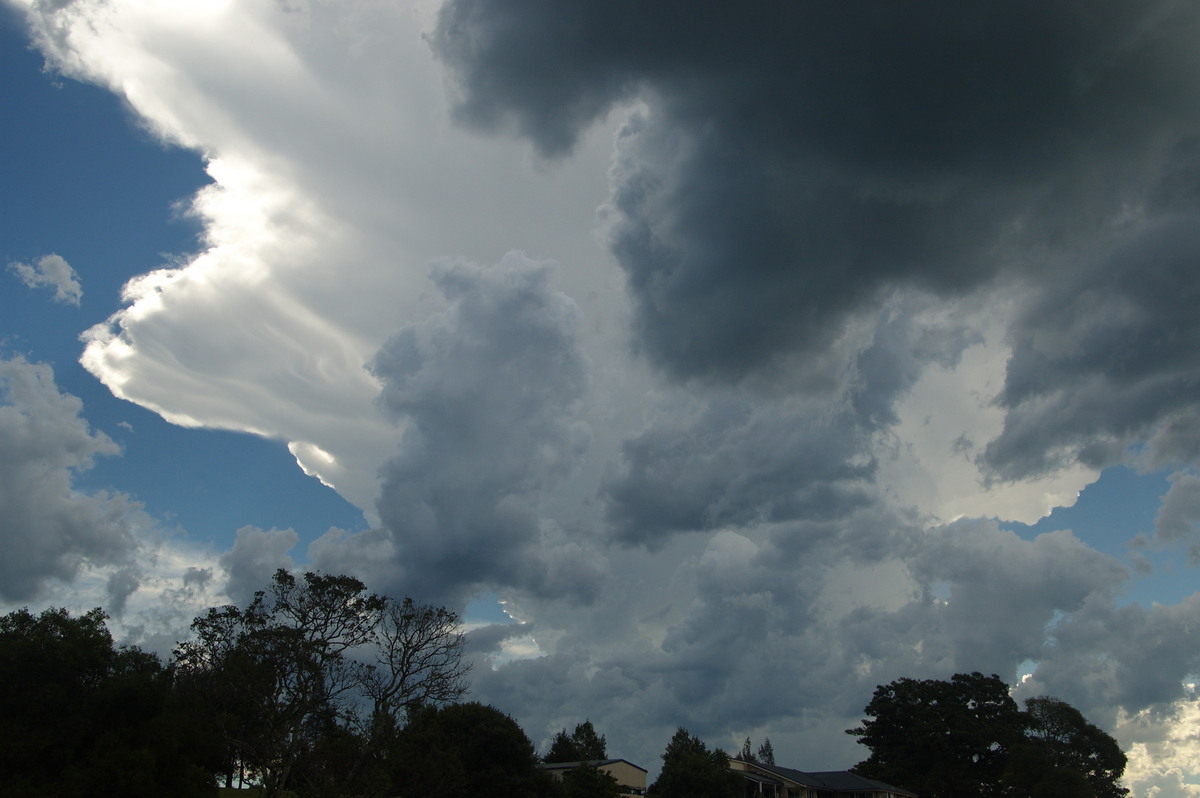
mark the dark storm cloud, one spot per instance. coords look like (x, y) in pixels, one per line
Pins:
(738, 458)
(48, 529)
(796, 161)
(1106, 354)
(728, 462)
(488, 391)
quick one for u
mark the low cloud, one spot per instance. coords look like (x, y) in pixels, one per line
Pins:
(48, 528)
(255, 557)
(51, 271)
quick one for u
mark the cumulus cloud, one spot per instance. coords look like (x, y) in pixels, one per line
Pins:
(1179, 517)
(50, 530)
(487, 393)
(65, 546)
(255, 557)
(51, 271)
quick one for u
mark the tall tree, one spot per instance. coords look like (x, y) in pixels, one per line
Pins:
(1071, 743)
(317, 665)
(747, 754)
(967, 737)
(417, 661)
(766, 752)
(941, 739)
(582, 745)
(691, 770)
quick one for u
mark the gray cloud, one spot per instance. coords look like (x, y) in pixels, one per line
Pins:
(1179, 516)
(487, 392)
(729, 461)
(796, 162)
(48, 529)
(51, 271)
(762, 454)
(121, 584)
(759, 634)
(255, 557)
(1103, 356)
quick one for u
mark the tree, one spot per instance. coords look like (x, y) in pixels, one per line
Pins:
(317, 671)
(418, 659)
(80, 716)
(582, 745)
(941, 739)
(766, 753)
(967, 737)
(1072, 744)
(691, 770)
(465, 750)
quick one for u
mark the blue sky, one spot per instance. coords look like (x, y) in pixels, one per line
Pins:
(744, 379)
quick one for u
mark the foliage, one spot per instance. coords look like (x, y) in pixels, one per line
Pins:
(691, 770)
(79, 716)
(766, 752)
(765, 755)
(463, 750)
(582, 745)
(1074, 745)
(968, 737)
(308, 682)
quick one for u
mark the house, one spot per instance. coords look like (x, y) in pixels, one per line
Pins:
(631, 777)
(770, 781)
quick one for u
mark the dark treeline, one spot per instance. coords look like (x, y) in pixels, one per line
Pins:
(320, 689)
(967, 737)
(315, 689)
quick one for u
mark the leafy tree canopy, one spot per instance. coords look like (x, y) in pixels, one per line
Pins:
(691, 770)
(582, 745)
(80, 716)
(308, 682)
(967, 736)
(1074, 745)
(465, 750)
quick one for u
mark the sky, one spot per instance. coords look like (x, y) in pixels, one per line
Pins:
(717, 364)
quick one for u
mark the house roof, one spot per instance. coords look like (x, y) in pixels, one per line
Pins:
(845, 780)
(835, 780)
(597, 762)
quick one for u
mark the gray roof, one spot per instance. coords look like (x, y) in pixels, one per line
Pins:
(834, 780)
(596, 762)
